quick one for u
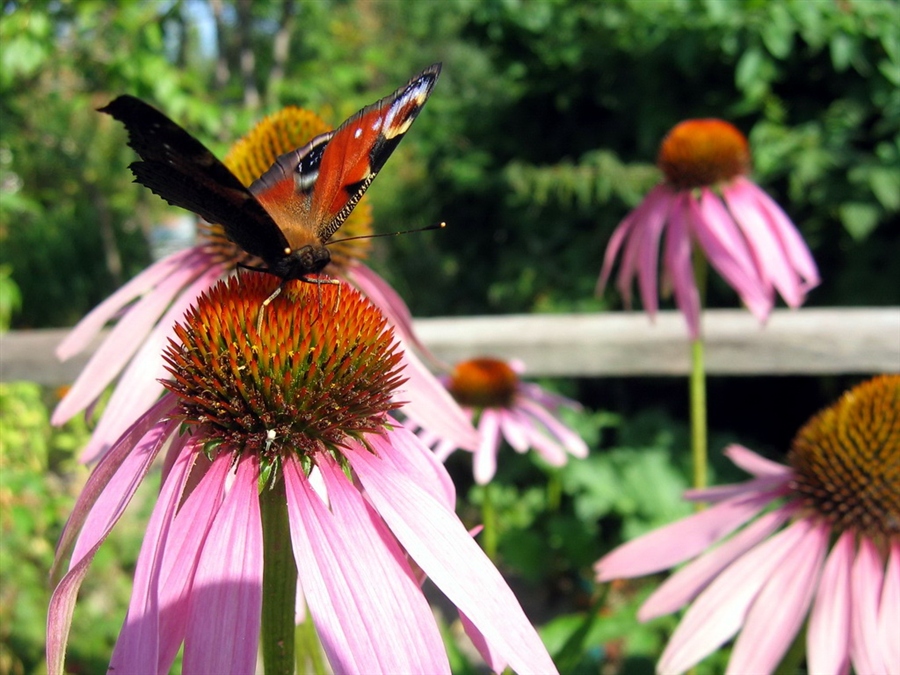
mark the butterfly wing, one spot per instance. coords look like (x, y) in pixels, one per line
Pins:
(331, 173)
(180, 169)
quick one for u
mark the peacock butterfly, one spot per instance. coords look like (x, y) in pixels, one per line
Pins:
(287, 216)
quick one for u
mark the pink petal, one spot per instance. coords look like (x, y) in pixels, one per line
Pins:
(139, 385)
(754, 464)
(88, 328)
(62, 602)
(777, 485)
(432, 406)
(828, 635)
(368, 608)
(137, 648)
(119, 346)
(889, 612)
(658, 201)
(771, 260)
(118, 488)
(572, 441)
(683, 586)
(780, 609)
(677, 259)
(623, 229)
(436, 539)
(727, 252)
(485, 460)
(865, 588)
(422, 466)
(791, 241)
(225, 606)
(721, 609)
(182, 555)
(680, 541)
(514, 427)
(491, 658)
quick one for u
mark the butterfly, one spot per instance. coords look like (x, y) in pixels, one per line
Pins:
(287, 215)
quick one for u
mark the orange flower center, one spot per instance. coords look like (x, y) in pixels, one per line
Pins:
(322, 367)
(847, 460)
(484, 383)
(698, 153)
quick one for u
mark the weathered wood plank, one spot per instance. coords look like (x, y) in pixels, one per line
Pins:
(808, 341)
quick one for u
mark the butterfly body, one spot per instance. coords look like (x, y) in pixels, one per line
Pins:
(287, 216)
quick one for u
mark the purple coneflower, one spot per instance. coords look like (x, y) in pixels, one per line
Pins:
(707, 199)
(249, 420)
(507, 408)
(147, 307)
(822, 532)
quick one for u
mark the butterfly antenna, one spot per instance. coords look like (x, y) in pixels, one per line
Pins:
(438, 226)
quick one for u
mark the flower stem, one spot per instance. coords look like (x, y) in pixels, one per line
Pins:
(279, 582)
(698, 414)
(489, 522)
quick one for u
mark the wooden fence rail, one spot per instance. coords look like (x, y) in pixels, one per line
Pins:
(807, 341)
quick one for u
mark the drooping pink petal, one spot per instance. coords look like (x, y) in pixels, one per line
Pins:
(368, 608)
(88, 328)
(828, 635)
(119, 487)
(623, 229)
(681, 540)
(771, 259)
(719, 612)
(677, 260)
(889, 612)
(485, 460)
(755, 464)
(62, 602)
(777, 485)
(780, 609)
(514, 428)
(683, 586)
(727, 252)
(187, 537)
(137, 647)
(573, 443)
(658, 201)
(139, 385)
(225, 607)
(415, 460)
(491, 658)
(432, 406)
(865, 588)
(792, 242)
(438, 542)
(117, 349)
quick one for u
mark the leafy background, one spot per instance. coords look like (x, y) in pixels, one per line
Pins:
(540, 136)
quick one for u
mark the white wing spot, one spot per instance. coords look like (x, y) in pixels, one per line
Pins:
(357, 133)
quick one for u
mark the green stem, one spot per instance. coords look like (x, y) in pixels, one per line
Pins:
(279, 582)
(698, 414)
(489, 522)
(697, 385)
(554, 491)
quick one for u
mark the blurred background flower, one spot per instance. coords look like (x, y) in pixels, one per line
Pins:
(707, 202)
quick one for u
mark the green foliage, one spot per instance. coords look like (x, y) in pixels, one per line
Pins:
(39, 481)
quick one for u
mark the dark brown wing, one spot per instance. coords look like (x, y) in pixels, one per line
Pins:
(179, 168)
